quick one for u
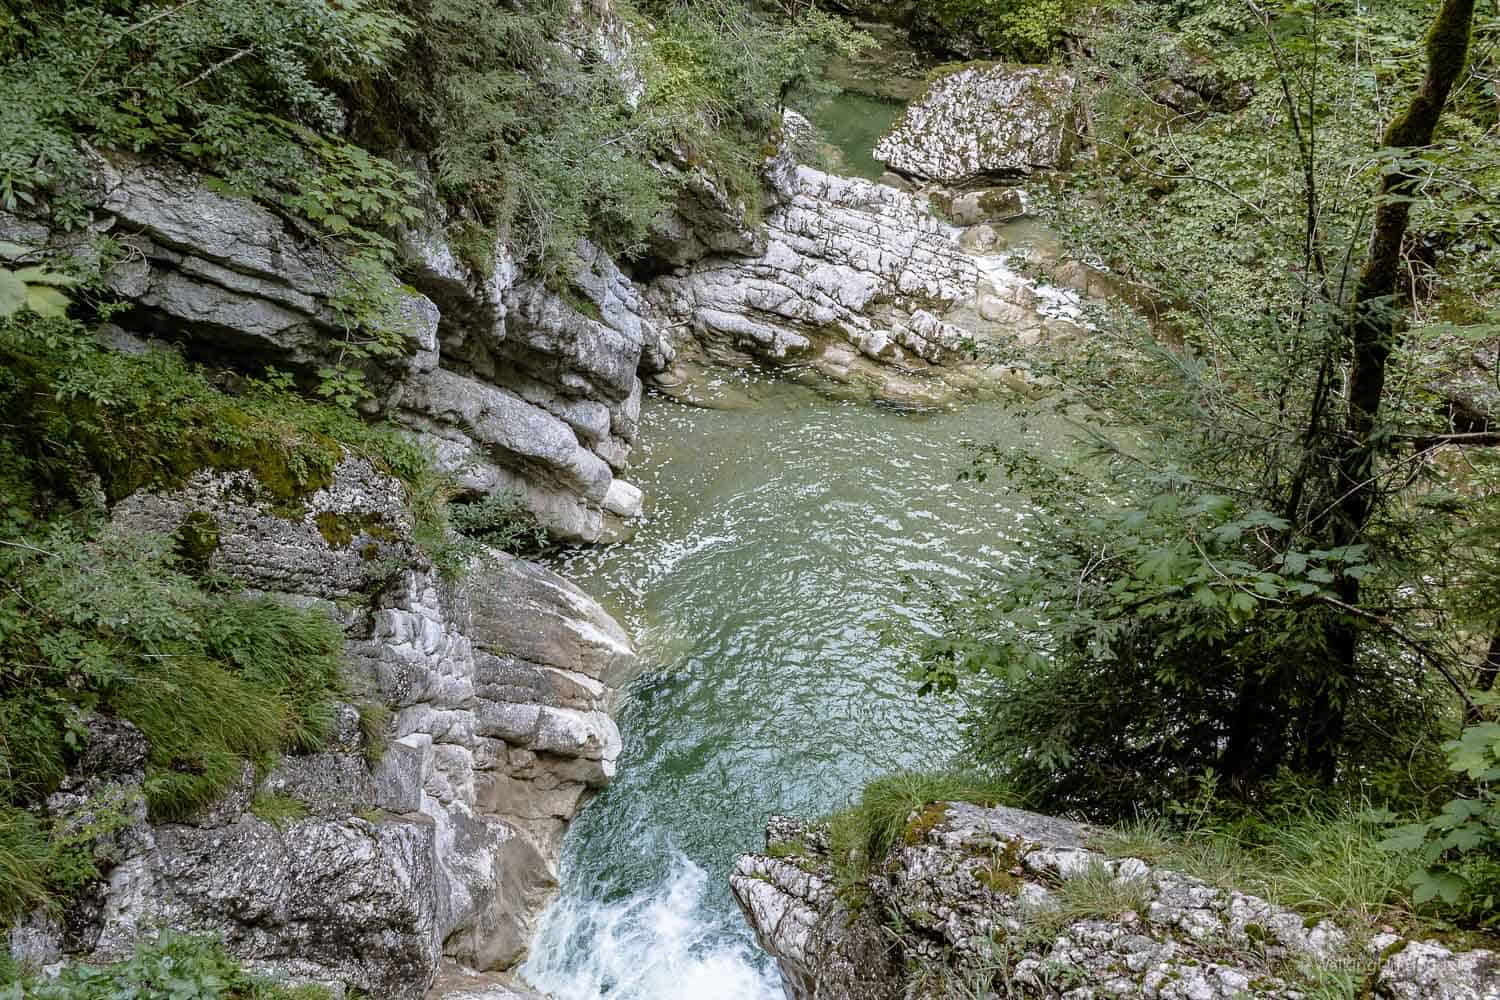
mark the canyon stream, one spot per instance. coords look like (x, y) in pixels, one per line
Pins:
(766, 593)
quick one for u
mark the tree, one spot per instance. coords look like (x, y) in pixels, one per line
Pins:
(1248, 583)
(1371, 329)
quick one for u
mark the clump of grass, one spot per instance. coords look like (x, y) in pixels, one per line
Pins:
(1323, 860)
(277, 809)
(265, 681)
(374, 730)
(1095, 893)
(868, 830)
(24, 861)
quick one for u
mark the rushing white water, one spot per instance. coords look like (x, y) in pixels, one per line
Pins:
(657, 943)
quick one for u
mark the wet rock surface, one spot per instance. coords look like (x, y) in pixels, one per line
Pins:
(980, 891)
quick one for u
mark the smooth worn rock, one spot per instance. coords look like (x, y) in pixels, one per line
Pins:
(864, 285)
(984, 119)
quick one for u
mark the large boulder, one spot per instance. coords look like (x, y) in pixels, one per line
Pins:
(985, 119)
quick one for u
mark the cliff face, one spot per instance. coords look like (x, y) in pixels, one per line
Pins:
(995, 898)
(433, 833)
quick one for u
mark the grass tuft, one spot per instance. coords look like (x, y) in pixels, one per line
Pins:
(867, 831)
(1323, 860)
(277, 809)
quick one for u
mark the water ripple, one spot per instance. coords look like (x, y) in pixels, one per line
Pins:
(759, 588)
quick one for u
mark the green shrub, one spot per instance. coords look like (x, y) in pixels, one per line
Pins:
(1024, 30)
(500, 521)
(173, 967)
(1459, 848)
(533, 144)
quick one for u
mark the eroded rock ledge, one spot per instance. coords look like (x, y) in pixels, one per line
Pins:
(438, 842)
(865, 285)
(971, 890)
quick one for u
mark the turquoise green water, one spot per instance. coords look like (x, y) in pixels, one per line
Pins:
(852, 124)
(759, 589)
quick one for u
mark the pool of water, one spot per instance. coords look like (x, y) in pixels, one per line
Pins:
(852, 123)
(765, 592)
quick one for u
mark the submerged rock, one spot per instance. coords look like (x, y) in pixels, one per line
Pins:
(985, 119)
(975, 892)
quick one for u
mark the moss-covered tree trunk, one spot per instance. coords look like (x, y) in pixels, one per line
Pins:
(1372, 327)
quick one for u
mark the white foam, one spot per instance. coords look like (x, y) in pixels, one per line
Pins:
(658, 944)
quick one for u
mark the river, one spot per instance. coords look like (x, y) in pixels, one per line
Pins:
(765, 592)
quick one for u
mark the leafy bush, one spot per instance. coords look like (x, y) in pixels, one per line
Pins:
(1460, 846)
(500, 521)
(1163, 635)
(227, 84)
(1024, 30)
(539, 146)
(173, 967)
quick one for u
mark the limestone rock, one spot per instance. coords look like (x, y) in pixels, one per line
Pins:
(345, 900)
(1429, 971)
(863, 284)
(327, 545)
(963, 877)
(500, 686)
(984, 119)
(230, 276)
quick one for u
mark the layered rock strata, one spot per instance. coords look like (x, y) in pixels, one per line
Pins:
(979, 892)
(865, 285)
(439, 841)
(513, 386)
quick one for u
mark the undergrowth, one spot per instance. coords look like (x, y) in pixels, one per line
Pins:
(1322, 859)
(173, 967)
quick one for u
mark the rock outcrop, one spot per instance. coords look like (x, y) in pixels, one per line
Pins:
(984, 119)
(439, 840)
(513, 386)
(866, 286)
(984, 893)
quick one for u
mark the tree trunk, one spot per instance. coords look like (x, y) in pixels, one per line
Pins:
(1372, 330)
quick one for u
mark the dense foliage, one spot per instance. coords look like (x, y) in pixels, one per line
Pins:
(1206, 600)
(1024, 30)
(174, 967)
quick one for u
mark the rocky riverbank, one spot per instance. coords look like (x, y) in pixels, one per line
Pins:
(993, 899)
